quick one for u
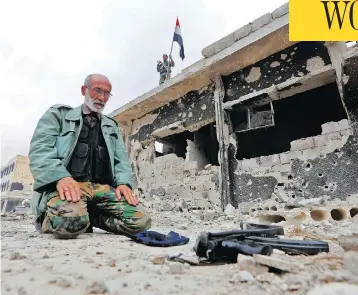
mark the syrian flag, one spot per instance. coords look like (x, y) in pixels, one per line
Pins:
(178, 38)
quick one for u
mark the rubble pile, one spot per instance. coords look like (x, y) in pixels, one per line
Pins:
(109, 264)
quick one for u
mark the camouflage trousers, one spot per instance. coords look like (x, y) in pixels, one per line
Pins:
(163, 78)
(99, 208)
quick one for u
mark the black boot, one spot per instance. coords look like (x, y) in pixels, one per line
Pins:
(89, 230)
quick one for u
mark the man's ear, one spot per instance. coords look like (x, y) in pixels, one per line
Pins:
(83, 90)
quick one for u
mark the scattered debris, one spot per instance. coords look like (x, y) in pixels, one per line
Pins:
(244, 276)
(97, 287)
(278, 263)
(159, 259)
(176, 268)
(16, 256)
(349, 243)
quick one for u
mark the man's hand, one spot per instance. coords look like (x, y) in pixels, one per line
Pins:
(123, 190)
(69, 189)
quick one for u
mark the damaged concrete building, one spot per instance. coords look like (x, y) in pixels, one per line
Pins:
(261, 123)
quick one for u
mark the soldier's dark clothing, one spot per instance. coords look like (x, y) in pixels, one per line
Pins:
(164, 69)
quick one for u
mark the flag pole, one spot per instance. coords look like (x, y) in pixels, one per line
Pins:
(171, 50)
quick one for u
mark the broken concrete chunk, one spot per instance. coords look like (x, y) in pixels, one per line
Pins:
(208, 215)
(176, 268)
(230, 210)
(160, 259)
(278, 262)
(248, 263)
(244, 276)
(349, 243)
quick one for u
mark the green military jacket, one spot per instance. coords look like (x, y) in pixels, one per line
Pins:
(52, 145)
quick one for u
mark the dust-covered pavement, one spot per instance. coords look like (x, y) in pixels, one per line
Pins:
(102, 263)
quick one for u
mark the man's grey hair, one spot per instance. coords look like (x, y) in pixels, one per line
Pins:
(89, 78)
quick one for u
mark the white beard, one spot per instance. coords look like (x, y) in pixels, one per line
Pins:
(89, 102)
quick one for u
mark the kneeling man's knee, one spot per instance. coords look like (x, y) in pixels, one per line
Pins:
(65, 227)
(65, 219)
(139, 220)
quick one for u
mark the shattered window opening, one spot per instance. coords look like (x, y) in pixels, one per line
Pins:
(296, 117)
(203, 146)
(256, 118)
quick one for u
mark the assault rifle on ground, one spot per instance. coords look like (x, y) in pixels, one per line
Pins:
(255, 239)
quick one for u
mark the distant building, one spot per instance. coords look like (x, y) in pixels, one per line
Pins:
(16, 182)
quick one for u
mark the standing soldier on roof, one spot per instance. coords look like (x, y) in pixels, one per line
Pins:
(164, 68)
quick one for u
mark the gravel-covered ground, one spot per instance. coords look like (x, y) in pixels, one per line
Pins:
(102, 263)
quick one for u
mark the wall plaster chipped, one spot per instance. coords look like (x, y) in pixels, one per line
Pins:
(328, 168)
(308, 58)
(177, 116)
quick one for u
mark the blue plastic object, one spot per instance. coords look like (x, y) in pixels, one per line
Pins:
(155, 239)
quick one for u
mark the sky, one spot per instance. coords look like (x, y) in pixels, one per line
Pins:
(47, 48)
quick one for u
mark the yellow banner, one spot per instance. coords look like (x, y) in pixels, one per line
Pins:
(316, 20)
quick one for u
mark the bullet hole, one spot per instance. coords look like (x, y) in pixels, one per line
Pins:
(259, 209)
(300, 191)
(338, 214)
(334, 163)
(320, 175)
(326, 187)
(290, 177)
(293, 196)
(353, 212)
(304, 184)
(336, 150)
(273, 208)
(308, 166)
(318, 215)
(253, 210)
(280, 184)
